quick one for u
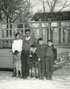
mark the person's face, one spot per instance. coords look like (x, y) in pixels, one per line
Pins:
(33, 50)
(18, 37)
(49, 43)
(28, 33)
(40, 42)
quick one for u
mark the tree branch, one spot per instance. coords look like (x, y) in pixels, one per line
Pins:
(55, 2)
(48, 3)
(65, 5)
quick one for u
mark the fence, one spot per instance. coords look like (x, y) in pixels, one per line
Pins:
(57, 31)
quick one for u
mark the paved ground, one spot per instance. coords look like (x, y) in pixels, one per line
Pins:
(61, 80)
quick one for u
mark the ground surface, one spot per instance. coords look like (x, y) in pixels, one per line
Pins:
(61, 80)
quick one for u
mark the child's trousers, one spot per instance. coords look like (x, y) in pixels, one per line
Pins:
(33, 69)
(17, 63)
(18, 66)
(41, 67)
(49, 67)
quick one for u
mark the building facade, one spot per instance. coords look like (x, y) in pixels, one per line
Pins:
(54, 26)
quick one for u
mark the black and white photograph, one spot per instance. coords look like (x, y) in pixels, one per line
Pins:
(34, 44)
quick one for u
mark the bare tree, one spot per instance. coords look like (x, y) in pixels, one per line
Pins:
(27, 11)
(1, 9)
(53, 4)
(14, 9)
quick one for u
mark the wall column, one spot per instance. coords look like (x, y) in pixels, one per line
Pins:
(62, 33)
(40, 28)
(49, 31)
(0, 30)
(66, 36)
(59, 28)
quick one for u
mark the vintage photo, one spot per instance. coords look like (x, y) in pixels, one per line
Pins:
(34, 44)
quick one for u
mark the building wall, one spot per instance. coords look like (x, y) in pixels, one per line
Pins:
(56, 31)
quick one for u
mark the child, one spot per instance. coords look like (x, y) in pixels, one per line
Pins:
(17, 63)
(16, 45)
(49, 61)
(33, 71)
(41, 54)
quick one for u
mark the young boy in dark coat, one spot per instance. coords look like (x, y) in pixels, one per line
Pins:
(49, 60)
(33, 70)
(41, 54)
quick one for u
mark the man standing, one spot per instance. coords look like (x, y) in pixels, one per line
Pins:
(28, 40)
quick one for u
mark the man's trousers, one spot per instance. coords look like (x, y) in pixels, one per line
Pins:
(25, 63)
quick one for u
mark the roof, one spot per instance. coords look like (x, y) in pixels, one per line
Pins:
(54, 16)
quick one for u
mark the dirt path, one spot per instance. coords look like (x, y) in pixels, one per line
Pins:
(61, 80)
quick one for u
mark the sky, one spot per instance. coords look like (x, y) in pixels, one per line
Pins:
(37, 5)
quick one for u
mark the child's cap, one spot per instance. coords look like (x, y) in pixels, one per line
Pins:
(33, 46)
(40, 39)
(49, 41)
(16, 52)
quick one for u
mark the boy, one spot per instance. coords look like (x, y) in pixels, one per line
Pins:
(33, 71)
(50, 55)
(41, 54)
(17, 63)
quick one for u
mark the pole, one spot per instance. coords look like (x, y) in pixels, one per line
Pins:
(43, 6)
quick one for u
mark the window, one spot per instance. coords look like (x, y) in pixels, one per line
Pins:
(6, 33)
(10, 33)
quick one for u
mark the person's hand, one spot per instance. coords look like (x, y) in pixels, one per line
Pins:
(39, 59)
(36, 62)
(30, 55)
(20, 53)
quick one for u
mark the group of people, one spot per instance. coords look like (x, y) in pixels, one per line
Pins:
(32, 58)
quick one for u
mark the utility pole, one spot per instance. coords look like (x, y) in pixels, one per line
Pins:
(28, 2)
(43, 6)
(1, 19)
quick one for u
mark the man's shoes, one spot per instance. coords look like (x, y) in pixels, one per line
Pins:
(24, 77)
(13, 75)
(50, 78)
